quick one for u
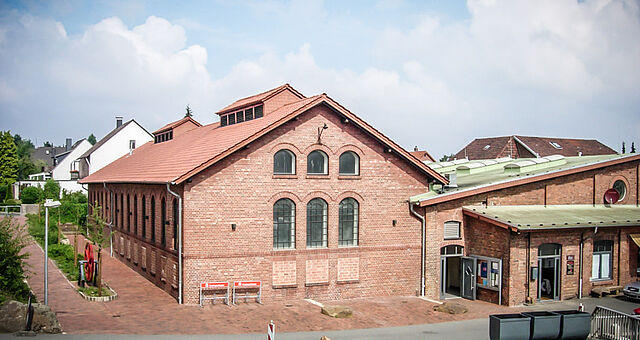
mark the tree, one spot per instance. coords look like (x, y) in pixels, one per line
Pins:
(51, 189)
(8, 159)
(188, 112)
(24, 148)
(12, 241)
(446, 158)
(624, 150)
(633, 147)
(31, 195)
(91, 139)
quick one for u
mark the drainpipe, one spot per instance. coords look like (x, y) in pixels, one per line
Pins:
(581, 265)
(422, 247)
(179, 240)
(528, 266)
(110, 224)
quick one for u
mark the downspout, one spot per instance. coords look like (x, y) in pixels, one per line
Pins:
(581, 265)
(619, 244)
(422, 248)
(528, 265)
(110, 224)
(179, 241)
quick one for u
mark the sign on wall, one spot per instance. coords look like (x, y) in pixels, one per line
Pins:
(570, 264)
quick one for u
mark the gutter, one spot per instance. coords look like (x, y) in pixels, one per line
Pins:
(179, 240)
(422, 247)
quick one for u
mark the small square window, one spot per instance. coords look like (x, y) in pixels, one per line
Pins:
(240, 116)
(232, 119)
(248, 114)
(451, 230)
(132, 144)
(223, 120)
(258, 111)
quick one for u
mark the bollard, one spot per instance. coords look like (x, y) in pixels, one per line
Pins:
(29, 318)
(271, 331)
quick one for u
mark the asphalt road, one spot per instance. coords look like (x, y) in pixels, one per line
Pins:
(456, 330)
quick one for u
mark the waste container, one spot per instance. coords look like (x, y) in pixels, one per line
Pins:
(509, 327)
(544, 325)
(574, 324)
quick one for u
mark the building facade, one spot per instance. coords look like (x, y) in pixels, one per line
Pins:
(295, 192)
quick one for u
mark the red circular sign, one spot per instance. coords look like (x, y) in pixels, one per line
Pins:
(611, 196)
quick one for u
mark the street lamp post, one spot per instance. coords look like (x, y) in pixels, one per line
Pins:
(48, 204)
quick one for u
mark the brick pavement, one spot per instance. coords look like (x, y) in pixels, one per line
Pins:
(143, 308)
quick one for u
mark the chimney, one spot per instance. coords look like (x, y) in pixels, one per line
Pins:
(415, 148)
(67, 146)
(118, 121)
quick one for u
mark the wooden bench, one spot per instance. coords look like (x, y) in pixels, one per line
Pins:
(606, 290)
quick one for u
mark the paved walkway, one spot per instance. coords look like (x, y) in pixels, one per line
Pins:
(142, 308)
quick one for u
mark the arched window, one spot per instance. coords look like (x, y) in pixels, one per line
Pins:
(153, 219)
(176, 216)
(121, 211)
(128, 213)
(318, 163)
(317, 223)
(348, 222)
(284, 224)
(349, 163)
(144, 217)
(163, 221)
(135, 214)
(284, 163)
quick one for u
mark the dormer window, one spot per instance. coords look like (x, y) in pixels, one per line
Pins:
(241, 115)
(556, 145)
(159, 138)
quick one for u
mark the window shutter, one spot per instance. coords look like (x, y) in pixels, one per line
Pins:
(451, 230)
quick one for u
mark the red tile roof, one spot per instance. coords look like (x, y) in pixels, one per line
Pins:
(496, 147)
(176, 124)
(179, 159)
(423, 156)
(259, 98)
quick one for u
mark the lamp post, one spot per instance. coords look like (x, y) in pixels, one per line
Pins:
(49, 203)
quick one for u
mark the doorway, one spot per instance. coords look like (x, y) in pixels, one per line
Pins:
(549, 255)
(450, 279)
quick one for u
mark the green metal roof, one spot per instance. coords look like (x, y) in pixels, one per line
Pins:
(539, 217)
(505, 172)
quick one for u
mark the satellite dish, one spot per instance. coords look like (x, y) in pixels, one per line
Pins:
(611, 196)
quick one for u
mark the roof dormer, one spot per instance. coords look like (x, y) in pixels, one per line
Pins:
(258, 105)
(176, 128)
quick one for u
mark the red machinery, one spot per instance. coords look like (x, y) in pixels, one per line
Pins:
(90, 264)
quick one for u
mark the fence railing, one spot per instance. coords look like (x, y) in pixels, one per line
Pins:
(11, 209)
(610, 324)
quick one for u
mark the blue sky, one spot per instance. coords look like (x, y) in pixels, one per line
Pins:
(435, 74)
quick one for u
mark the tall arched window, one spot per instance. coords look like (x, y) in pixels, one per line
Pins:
(153, 219)
(135, 214)
(317, 163)
(284, 224)
(163, 221)
(128, 213)
(348, 222)
(121, 211)
(284, 163)
(144, 217)
(317, 223)
(176, 216)
(349, 163)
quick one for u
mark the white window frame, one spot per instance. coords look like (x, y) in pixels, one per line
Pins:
(598, 258)
(458, 225)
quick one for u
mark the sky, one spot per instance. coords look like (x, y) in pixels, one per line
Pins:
(432, 74)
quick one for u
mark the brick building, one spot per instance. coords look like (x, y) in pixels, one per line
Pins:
(510, 231)
(296, 192)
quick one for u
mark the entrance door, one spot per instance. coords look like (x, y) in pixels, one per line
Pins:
(450, 278)
(468, 289)
(549, 272)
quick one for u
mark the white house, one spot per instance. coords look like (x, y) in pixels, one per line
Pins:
(68, 163)
(120, 141)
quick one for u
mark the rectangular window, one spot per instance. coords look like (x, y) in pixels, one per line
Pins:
(132, 144)
(239, 116)
(602, 260)
(223, 120)
(257, 112)
(232, 119)
(248, 114)
(451, 230)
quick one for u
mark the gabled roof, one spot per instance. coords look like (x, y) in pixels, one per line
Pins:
(553, 217)
(109, 135)
(422, 155)
(176, 124)
(504, 146)
(64, 154)
(198, 149)
(259, 98)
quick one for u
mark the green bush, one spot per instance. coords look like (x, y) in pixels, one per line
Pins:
(31, 195)
(62, 254)
(12, 272)
(51, 189)
(74, 197)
